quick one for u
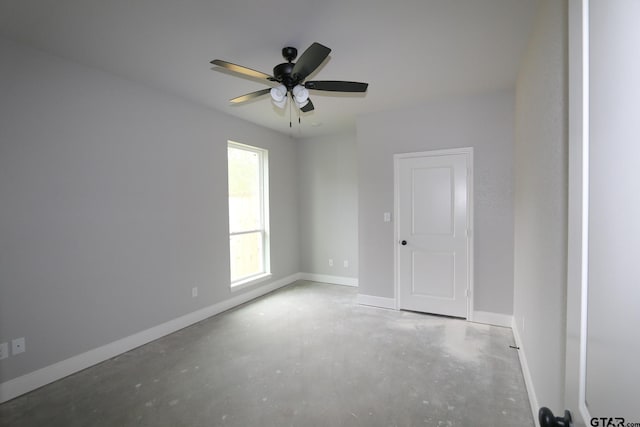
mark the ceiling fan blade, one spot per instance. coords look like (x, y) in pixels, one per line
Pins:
(242, 70)
(308, 107)
(250, 96)
(336, 86)
(310, 60)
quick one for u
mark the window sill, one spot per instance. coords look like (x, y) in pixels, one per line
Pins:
(251, 281)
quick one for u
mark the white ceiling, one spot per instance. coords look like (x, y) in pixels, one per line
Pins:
(408, 51)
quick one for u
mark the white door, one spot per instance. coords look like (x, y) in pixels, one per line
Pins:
(432, 229)
(603, 295)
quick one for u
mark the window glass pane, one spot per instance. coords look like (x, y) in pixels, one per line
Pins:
(246, 255)
(248, 212)
(244, 190)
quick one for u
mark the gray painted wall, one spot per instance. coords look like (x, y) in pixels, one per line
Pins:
(541, 203)
(113, 205)
(328, 200)
(485, 122)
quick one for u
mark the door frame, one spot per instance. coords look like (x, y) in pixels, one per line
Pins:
(578, 212)
(468, 151)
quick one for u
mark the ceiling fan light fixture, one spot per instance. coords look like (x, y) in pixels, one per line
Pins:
(279, 94)
(301, 95)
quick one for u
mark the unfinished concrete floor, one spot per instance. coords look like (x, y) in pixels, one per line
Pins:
(306, 356)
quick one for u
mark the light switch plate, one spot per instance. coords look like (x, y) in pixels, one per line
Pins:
(4, 350)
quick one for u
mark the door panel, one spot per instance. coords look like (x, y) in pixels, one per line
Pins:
(614, 207)
(432, 218)
(432, 186)
(603, 295)
(433, 274)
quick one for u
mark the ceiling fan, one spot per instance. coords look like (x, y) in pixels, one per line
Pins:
(291, 78)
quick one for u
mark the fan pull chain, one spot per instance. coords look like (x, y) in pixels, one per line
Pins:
(290, 112)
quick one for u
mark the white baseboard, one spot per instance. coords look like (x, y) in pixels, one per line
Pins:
(528, 380)
(334, 280)
(489, 318)
(36, 379)
(376, 301)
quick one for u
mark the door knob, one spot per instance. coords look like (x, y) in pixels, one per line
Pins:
(547, 419)
(403, 243)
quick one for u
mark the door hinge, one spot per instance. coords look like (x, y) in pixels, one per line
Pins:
(466, 292)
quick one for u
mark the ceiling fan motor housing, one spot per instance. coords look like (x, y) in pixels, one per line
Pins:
(282, 73)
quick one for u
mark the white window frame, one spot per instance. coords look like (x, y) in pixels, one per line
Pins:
(263, 161)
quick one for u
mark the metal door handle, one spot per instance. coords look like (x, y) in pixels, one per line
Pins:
(403, 243)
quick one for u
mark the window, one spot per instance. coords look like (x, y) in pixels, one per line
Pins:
(248, 213)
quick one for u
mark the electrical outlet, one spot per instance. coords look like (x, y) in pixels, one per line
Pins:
(18, 346)
(346, 263)
(330, 262)
(194, 292)
(4, 350)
